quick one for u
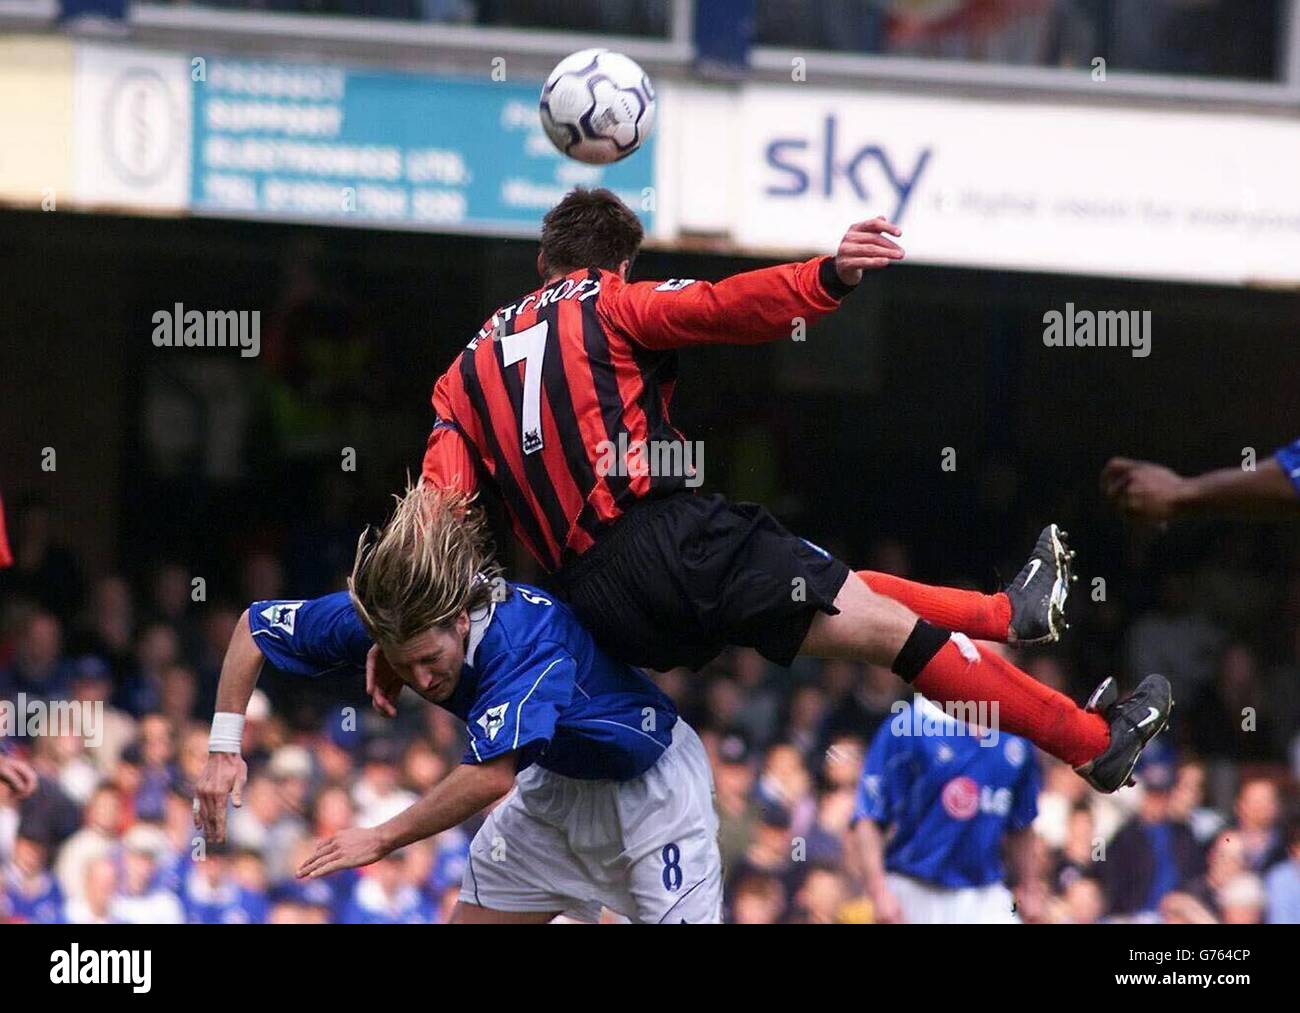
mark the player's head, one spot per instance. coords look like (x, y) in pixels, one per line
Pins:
(588, 228)
(415, 582)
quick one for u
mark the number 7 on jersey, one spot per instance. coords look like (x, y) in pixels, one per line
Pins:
(528, 345)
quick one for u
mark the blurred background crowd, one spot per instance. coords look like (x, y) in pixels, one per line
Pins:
(108, 837)
(1214, 38)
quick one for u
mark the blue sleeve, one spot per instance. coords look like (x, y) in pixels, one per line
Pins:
(1288, 458)
(310, 637)
(881, 787)
(520, 696)
(1024, 807)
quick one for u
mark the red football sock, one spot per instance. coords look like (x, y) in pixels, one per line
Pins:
(1026, 707)
(979, 616)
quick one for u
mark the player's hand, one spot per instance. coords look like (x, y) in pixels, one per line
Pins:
(224, 776)
(18, 775)
(1146, 491)
(887, 909)
(382, 683)
(348, 849)
(866, 247)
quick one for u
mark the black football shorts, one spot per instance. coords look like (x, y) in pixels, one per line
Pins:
(678, 579)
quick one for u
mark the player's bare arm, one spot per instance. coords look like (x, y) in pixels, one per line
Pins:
(225, 772)
(1152, 492)
(462, 793)
(871, 848)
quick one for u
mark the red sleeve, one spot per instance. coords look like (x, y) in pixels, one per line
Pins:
(745, 309)
(449, 461)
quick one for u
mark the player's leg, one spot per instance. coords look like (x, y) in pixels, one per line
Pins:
(1104, 741)
(670, 837)
(980, 616)
(520, 868)
(1030, 610)
(950, 669)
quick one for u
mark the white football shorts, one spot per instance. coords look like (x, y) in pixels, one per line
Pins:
(646, 848)
(926, 904)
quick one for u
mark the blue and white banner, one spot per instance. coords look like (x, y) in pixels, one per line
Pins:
(983, 183)
(376, 148)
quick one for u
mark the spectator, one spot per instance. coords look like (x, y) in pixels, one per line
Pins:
(1257, 812)
(1151, 855)
(31, 893)
(822, 896)
(737, 807)
(756, 898)
(93, 903)
(1242, 900)
(1084, 901)
(1282, 884)
(109, 629)
(39, 670)
(140, 900)
(212, 895)
(155, 752)
(92, 686)
(1231, 717)
(265, 825)
(1187, 802)
(44, 570)
(1224, 862)
(101, 824)
(385, 897)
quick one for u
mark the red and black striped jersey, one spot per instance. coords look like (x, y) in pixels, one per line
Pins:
(560, 388)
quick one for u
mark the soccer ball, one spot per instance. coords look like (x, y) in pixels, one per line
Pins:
(597, 106)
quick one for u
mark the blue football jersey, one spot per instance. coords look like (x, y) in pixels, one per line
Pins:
(1288, 458)
(949, 798)
(533, 682)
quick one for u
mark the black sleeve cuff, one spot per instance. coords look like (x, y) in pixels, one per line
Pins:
(830, 279)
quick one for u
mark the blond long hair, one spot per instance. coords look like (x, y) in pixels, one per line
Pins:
(430, 562)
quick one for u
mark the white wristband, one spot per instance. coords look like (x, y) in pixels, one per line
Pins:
(227, 733)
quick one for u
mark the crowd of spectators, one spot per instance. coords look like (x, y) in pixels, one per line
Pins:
(108, 835)
(1214, 38)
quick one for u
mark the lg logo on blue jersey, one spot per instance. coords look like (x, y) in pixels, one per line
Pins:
(962, 799)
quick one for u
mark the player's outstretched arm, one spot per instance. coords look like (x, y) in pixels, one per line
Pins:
(226, 772)
(1151, 492)
(755, 306)
(454, 799)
